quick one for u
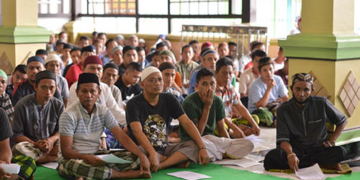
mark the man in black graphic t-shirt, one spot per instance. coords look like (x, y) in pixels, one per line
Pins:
(148, 117)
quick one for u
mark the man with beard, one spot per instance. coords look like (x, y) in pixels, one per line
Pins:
(301, 130)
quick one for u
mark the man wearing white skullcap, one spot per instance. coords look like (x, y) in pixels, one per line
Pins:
(149, 116)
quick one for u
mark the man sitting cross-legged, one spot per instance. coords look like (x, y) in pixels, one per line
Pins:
(81, 126)
(36, 118)
(207, 112)
(301, 130)
(231, 101)
(149, 116)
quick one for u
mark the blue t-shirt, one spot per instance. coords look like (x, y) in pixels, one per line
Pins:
(193, 82)
(258, 88)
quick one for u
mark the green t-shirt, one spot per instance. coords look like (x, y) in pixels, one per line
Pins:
(193, 107)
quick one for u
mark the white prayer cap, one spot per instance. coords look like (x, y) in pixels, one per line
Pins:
(147, 71)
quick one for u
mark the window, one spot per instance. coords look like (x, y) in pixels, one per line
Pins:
(166, 16)
(54, 8)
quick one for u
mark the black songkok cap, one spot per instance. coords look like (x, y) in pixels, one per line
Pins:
(67, 46)
(45, 75)
(110, 65)
(88, 49)
(88, 78)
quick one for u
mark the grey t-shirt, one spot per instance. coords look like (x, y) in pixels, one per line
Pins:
(63, 87)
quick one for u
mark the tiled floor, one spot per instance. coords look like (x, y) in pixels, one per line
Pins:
(266, 141)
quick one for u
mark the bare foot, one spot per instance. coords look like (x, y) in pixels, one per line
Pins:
(184, 164)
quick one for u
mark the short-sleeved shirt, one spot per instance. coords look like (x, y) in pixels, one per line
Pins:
(122, 69)
(25, 89)
(5, 128)
(73, 74)
(106, 99)
(246, 79)
(175, 93)
(229, 98)
(193, 107)
(185, 70)
(155, 120)
(258, 88)
(244, 60)
(105, 59)
(306, 127)
(127, 92)
(63, 87)
(117, 95)
(36, 122)
(86, 130)
(193, 82)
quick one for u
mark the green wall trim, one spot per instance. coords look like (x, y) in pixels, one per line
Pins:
(349, 136)
(24, 34)
(322, 46)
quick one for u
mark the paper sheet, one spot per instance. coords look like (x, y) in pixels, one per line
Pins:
(110, 158)
(11, 168)
(51, 165)
(243, 162)
(312, 173)
(189, 175)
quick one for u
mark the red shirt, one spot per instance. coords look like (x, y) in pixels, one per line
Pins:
(248, 65)
(73, 74)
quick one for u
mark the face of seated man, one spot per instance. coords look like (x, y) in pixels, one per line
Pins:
(224, 75)
(153, 84)
(130, 56)
(169, 77)
(45, 90)
(207, 84)
(209, 61)
(94, 69)
(301, 91)
(110, 76)
(88, 94)
(32, 69)
(267, 72)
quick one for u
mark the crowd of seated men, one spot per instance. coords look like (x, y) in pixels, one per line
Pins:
(71, 102)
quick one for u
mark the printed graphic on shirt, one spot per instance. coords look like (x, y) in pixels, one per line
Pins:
(155, 131)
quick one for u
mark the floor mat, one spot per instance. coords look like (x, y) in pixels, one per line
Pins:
(213, 170)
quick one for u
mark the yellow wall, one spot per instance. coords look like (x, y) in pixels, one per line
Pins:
(23, 50)
(20, 12)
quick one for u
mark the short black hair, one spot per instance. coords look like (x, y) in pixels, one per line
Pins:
(41, 52)
(139, 48)
(21, 68)
(225, 61)
(193, 42)
(62, 32)
(94, 33)
(160, 44)
(203, 73)
(232, 44)
(186, 46)
(134, 66)
(108, 42)
(110, 65)
(280, 48)
(258, 53)
(84, 38)
(102, 33)
(75, 49)
(166, 65)
(128, 48)
(255, 43)
(264, 62)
